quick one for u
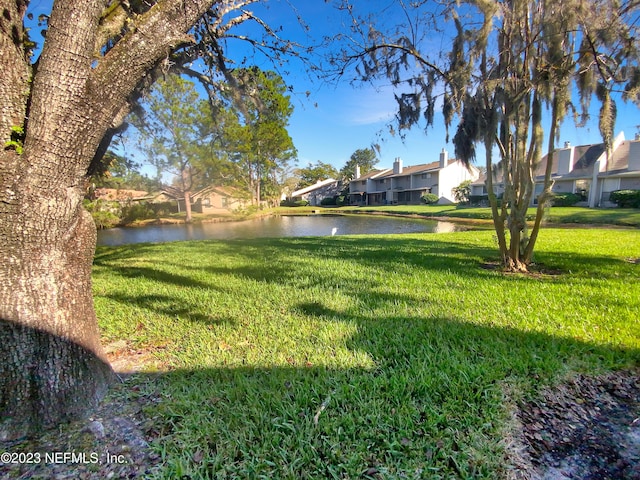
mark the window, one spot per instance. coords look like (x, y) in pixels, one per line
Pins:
(425, 176)
(206, 202)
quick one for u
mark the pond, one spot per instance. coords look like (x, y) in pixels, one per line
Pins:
(276, 226)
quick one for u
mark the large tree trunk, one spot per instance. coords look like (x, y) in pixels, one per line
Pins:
(187, 182)
(51, 363)
(187, 207)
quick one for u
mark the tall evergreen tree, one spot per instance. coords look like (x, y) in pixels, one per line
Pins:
(315, 172)
(364, 158)
(254, 136)
(176, 129)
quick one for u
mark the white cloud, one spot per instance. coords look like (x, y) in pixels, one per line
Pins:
(368, 106)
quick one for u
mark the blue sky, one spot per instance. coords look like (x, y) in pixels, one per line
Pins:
(337, 119)
(351, 117)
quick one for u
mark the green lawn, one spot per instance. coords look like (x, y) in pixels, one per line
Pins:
(351, 357)
(554, 215)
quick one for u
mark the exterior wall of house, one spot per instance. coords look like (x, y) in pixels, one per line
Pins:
(409, 188)
(634, 155)
(632, 183)
(425, 180)
(213, 202)
(449, 178)
(315, 197)
(381, 184)
(566, 159)
(357, 192)
(477, 190)
(563, 187)
(607, 186)
(357, 186)
(402, 183)
(315, 194)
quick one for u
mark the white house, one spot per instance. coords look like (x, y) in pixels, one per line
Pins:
(585, 170)
(406, 185)
(317, 192)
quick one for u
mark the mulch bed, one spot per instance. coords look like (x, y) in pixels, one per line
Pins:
(587, 428)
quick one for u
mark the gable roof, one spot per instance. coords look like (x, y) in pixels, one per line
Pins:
(619, 161)
(585, 157)
(170, 191)
(415, 169)
(315, 186)
(117, 194)
(224, 191)
(372, 174)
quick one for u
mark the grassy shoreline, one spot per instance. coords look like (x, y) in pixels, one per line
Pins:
(627, 217)
(333, 357)
(554, 215)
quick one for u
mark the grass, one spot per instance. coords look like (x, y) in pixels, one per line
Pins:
(362, 356)
(553, 215)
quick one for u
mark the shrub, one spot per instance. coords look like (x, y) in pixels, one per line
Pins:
(462, 192)
(163, 209)
(136, 211)
(565, 199)
(248, 210)
(338, 201)
(105, 214)
(429, 198)
(329, 201)
(479, 200)
(626, 198)
(294, 203)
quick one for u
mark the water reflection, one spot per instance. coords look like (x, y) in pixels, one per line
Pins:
(280, 226)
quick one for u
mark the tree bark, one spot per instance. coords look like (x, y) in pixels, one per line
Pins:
(14, 80)
(51, 363)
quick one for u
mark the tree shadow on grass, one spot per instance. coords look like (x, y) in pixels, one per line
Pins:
(398, 397)
(285, 258)
(158, 274)
(169, 306)
(462, 257)
(388, 396)
(285, 263)
(430, 401)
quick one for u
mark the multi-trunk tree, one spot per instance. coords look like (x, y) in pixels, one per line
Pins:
(505, 65)
(56, 121)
